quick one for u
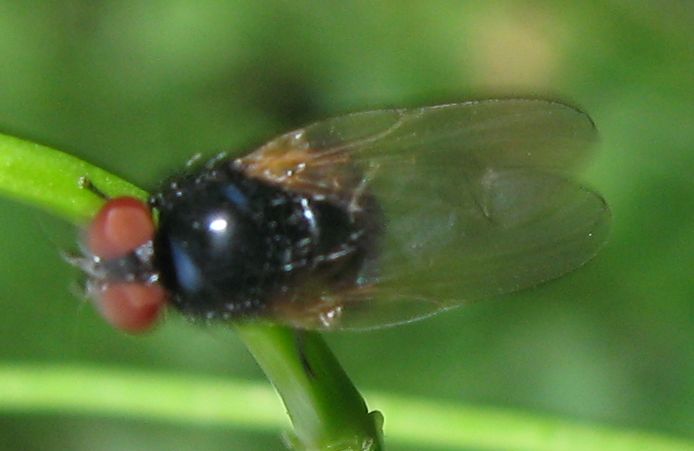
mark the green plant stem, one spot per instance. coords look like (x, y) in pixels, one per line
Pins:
(325, 408)
(200, 400)
(50, 180)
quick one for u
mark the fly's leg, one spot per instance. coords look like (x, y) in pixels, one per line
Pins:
(192, 161)
(85, 182)
(301, 350)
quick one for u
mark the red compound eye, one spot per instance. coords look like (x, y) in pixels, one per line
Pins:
(130, 307)
(122, 224)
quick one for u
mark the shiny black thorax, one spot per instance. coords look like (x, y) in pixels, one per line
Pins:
(229, 245)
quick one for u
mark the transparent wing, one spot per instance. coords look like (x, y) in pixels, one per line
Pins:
(510, 133)
(475, 198)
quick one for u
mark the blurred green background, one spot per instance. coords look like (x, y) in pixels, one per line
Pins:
(138, 87)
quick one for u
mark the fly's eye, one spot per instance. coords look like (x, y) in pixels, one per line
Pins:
(122, 225)
(117, 289)
(131, 307)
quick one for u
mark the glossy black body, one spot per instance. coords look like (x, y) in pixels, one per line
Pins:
(229, 245)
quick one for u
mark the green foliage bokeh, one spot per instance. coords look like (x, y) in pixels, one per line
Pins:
(139, 87)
